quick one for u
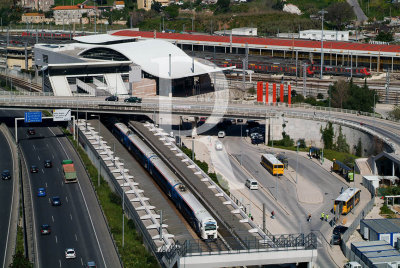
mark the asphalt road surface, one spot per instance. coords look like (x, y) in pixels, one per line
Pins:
(293, 218)
(6, 190)
(78, 222)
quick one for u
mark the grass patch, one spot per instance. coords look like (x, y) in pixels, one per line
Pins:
(385, 210)
(133, 254)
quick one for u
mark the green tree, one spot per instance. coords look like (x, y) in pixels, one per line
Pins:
(395, 113)
(279, 4)
(328, 135)
(339, 93)
(222, 6)
(172, 11)
(384, 36)
(341, 143)
(339, 14)
(359, 148)
(156, 6)
(20, 261)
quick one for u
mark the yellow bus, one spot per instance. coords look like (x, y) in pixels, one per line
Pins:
(270, 162)
(347, 200)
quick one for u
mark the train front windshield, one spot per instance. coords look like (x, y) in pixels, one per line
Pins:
(210, 227)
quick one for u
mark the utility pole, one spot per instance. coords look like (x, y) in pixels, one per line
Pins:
(263, 226)
(304, 79)
(322, 12)
(387, 86)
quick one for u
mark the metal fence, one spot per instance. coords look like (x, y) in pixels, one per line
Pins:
(353, 227)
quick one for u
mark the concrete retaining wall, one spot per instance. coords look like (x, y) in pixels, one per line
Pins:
(310, 131)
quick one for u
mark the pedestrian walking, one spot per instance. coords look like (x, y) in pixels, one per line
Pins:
(309, 217)
(322, 216)
(273, 214)
(327, 217)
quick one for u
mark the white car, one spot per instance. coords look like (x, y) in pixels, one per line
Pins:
(70, 253)
(218, 146)
(221, 134)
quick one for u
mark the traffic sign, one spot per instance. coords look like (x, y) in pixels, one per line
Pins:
(62, 115)
(33, 117)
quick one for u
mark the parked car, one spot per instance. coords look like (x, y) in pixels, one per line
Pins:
(55, 201)
(34, 169)
(45, 229)
(112, 98)
(31, 131)
(41, 192)
(48, 164)
(133, 100)
(70, 253)
(6, 175)
(221, 134)
(252, 124)
(337, 234)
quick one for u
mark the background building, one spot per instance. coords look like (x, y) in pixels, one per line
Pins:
(328, 35)
(73, 14)
(43, 5)
(119, 5)
(32, 18)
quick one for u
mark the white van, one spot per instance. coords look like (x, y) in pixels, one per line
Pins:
(218, 146)
(252, 184)
(221, 134)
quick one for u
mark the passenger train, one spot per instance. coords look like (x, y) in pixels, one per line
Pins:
(194, 212)
(289, 68)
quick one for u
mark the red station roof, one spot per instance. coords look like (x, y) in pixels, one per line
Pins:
(264, 41)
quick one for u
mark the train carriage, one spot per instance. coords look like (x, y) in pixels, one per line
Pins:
(194, 212)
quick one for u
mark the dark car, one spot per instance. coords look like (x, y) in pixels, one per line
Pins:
(133, 100)
(239, 120)
(45, 229)
(34, 169)
(56, 201)
(337, 234)
(48, 164)
(6, 175)
(31, 131)
(112, 98)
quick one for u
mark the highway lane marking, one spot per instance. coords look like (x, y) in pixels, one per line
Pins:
(76, 237)
(59, 262)
(84, 200)
(66, 198)
(70, 215)
(38, 157)
(82, 261)
(52, 218)
(43, 171)
(56, 240)
(46, 184)
(52, 155)
(34, 148)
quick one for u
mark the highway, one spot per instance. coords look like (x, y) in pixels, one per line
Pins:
(6, 194)
(78, 222)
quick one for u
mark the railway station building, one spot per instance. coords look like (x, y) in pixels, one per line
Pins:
(106, 64)
(376, 57)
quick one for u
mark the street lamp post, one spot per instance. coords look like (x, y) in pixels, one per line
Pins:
(322, 12)
(241, 151)
(297, 160)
